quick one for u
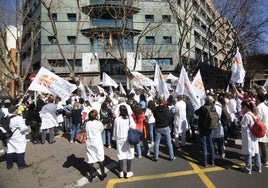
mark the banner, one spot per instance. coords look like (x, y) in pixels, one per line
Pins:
(141, 79)
(90, 62)
(47, 81)
(184, 87)
(198, 86)
(238, 72)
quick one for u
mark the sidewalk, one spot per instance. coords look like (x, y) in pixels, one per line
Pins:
(56, 165)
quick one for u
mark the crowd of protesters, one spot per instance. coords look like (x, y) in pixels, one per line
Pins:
(106, 119)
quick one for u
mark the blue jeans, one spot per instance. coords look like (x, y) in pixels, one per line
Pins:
(75, 130)
(67, 124)
(20, 159)
(151, 127)
(104, 133)
(248, 161)
(206, 141)
(220, 145)
(166, 133)
(145, 145)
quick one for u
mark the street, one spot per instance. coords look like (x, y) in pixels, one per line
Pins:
(63, 165)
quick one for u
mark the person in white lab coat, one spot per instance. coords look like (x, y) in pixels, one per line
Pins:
(125, 151)
(250, 144)
(16, 144)
(94, 145)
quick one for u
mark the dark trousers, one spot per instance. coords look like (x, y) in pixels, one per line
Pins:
(11, 157)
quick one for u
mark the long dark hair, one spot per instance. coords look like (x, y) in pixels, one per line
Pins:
(123, 111)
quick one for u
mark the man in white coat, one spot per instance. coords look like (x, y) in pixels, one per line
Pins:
(49, 120)
(16, 144)
(180, 121)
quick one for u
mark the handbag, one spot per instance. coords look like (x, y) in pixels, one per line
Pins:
(133, 136)
(81, 137)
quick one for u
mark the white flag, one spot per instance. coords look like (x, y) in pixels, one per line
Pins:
(111, 92)
(101, 90)
(46, 80)
(121, 89)
(140, 79)
(161, 86)
(238, 71)
(108, 81)
(172, 77)
(82, 89)
(266, 83)
(90, 92)
(198, 86)
(184, 87)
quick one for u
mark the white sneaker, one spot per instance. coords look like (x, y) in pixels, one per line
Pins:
(2, 150)
(129, 174)
(121, 174)
(71, 142)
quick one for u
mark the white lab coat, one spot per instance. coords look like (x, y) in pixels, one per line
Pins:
(48, 116)
(120, 133)
(94, 144)
(180, 118)
(250, 144)
(262, 110)
(48, 121)
(17, 142)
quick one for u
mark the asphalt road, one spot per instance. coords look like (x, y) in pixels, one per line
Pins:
(62, 165)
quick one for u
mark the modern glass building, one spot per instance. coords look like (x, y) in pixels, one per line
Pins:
(95, 36)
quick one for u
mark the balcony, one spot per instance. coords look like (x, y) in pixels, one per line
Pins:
(110, 9)
(119, 2)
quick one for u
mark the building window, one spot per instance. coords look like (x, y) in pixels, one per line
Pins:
(149, 18)
(71, 17)
(150, 40)
(52, 40)
(166, 18)
(71, 39)
(160, 62)
(179, 2)
(54, 17)
(167, 40)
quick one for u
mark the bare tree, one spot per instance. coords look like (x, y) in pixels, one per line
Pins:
(10, 58)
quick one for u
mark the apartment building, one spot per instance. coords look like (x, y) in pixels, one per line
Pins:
(98, 36)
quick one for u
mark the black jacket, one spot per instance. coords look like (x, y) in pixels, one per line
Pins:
(162, 116)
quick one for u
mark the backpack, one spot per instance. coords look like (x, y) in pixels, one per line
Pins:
(212, 118)
(105, 116)
(258, 129)
(5, 131)
(225, 117)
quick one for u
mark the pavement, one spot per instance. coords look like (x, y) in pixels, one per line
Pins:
(63, 165)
